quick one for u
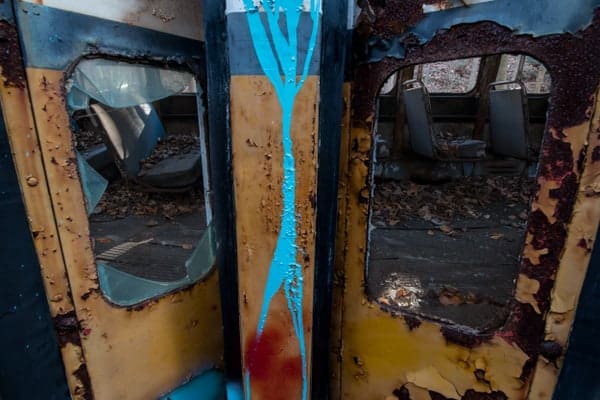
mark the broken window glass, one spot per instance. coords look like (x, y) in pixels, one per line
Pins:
(141, 165)
(448, 215)
(120, 84)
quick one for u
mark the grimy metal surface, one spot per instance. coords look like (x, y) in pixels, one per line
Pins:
(522, 359)
(108, 352)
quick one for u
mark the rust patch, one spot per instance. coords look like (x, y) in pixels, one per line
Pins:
(385, 22)
(84, 378)
(573, 61)
(13, 71)
(462, 337)
(473, 395)
(596, 154)
(437, 396)
(584, 244)
(551, 350)
(402, 393)
(67, 329)
(557, 156)
(412, 322)
(573, 66)
(566, 197)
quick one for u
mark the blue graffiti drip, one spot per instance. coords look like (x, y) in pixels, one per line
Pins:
(278, 58)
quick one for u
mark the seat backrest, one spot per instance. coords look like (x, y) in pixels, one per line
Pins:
(509, 120)
(418, 117)
(132, 132)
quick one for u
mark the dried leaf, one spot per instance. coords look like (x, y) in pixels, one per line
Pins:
(383, 300)
(450, 297)
(446, 229)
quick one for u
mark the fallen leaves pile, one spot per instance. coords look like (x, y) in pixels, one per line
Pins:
(396, 202)
(85, 139)
(122, 199)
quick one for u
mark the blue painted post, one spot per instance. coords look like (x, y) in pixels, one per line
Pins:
(274, 41)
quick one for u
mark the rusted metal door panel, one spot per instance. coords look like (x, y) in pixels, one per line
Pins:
(108, 351)
(390, 354)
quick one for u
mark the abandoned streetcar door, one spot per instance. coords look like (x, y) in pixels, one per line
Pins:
(127, 252)
(402, 336)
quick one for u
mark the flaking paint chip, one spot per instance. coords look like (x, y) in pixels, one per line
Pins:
(526, 289)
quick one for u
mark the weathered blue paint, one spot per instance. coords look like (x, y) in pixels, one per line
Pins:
(6, 11)
(243, 60)
(526, 17)
(235, 391)
(279, 60)
(54, 38)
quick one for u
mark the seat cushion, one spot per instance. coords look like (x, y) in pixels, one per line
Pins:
(174, 172)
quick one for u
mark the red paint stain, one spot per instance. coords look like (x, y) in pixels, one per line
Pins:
(273, 373)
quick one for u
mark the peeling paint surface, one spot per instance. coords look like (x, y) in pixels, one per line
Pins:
(56, 38)
(420, 357)
(108, 352)
(181, 18)
(531, 17)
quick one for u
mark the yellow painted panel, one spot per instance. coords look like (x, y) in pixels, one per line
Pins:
(18, 116)
(134, 354)
(381, 352)
(258, 174)
(574, 262)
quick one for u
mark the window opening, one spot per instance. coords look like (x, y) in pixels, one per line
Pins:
(448, 216)
(142, 157)
(456, 76)
(389, 85)
(526, 69)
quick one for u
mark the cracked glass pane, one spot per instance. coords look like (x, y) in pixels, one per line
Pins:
(142, 159)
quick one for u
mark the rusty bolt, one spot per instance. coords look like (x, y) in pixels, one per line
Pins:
(32, 181)
(551, 350)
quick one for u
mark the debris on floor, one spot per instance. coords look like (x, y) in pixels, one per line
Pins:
(397, 202)
(123, 199)
(448, 251)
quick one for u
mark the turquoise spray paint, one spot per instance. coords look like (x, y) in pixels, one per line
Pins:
(279, 60)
